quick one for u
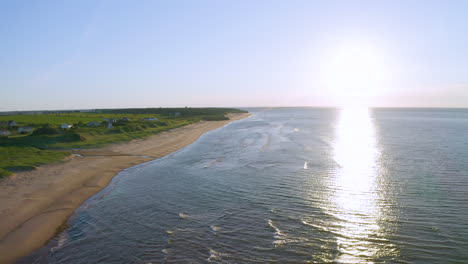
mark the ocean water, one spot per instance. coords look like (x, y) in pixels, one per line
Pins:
(289, 185)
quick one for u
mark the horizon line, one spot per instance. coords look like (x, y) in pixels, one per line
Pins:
(239, 107)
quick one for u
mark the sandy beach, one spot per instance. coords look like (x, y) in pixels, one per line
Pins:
(34, 204)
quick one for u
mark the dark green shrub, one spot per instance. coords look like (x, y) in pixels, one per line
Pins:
(21, 168)
(75, 137)
(45, 130)
(5, 173)
(121, 122)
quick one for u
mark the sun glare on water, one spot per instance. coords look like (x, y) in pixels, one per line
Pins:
(356, 200)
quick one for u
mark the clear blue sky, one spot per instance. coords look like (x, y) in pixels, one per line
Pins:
(99, 54)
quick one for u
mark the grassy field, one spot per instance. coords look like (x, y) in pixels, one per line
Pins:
(26, 151)
(27, 158)
(68, 118)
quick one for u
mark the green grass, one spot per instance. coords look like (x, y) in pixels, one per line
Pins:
(87, 137)
(68, 118)
(25, 152)
(13, 159)
(100, 138)
(5, 173)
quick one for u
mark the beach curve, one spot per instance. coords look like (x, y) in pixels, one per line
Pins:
(34, 204)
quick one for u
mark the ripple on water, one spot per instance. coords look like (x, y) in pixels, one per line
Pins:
(282, 193)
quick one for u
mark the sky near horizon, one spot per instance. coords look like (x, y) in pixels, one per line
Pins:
(115, 54)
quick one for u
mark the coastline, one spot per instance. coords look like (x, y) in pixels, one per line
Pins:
(34, 204)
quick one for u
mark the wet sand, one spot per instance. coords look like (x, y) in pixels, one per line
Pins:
(34, 204)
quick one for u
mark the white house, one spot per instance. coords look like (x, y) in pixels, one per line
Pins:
(65, 126)
(26, 129)
(12, 123)
(4, 132)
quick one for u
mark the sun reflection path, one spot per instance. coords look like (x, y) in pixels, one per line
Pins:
(354, 203)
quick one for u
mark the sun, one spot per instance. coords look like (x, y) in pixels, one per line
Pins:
(355, 72)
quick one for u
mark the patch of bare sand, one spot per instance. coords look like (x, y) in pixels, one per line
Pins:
(34, 204)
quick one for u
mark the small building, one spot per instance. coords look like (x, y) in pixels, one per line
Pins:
(109, 124)
(4, 133)
(150, 119)
(93, 124)
(65, 126)
(12, 123)
(177, 114)
(26, 129)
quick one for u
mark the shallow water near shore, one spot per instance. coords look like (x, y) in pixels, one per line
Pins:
(289, 185)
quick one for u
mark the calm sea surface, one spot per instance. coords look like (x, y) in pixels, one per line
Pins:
(290, 185)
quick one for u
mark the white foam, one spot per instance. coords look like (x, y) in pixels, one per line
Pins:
(278, 233)
(215, 228)
(213, 162)
(216, 256)
(183, 215)
(62, 238)
(281, 238)
(267, 143)
(280, 242)
(305, 166)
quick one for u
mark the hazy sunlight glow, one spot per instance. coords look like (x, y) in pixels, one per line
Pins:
(354, 73)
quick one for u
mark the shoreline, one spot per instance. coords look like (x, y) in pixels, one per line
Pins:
(34, 204)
